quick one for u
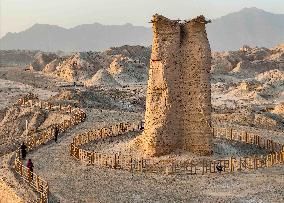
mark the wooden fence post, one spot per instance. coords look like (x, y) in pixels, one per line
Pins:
(115, 161)
(254, 162)
(37, 183)
(21, 169)
(232, 168)
(29, 175)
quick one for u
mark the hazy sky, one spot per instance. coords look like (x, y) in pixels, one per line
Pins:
(18, 15)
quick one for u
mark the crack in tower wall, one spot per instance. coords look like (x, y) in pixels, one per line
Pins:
(178, 103)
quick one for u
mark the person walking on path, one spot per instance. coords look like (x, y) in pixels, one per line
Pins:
(56, 132)
(142, 125)
(219, 167)
(23, 151)
(30, 166)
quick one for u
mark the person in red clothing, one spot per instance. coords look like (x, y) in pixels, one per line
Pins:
(30, 166)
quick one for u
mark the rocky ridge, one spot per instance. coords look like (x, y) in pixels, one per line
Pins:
(123, 65)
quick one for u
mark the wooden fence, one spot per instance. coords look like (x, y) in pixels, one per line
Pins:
(248, 138)
(116, 161)
(34, 180)
(202, 166)
(39, 138)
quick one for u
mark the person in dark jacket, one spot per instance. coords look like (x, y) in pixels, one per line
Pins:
(30, 166)
(23, 150)
(219, 167)
(142, 125)
(56, 132)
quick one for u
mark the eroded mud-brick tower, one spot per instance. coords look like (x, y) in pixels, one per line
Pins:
(178, 104)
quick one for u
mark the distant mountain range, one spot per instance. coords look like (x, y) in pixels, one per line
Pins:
(80, 38)
(250, 26)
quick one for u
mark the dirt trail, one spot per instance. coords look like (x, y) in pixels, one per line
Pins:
(72, 182)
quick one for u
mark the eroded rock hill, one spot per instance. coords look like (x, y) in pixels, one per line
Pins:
(249, 60)
(126, 64)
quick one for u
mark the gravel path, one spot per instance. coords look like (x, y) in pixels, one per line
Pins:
(72, 182)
